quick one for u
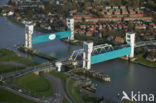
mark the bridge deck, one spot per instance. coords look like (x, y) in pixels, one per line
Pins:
(110, 55)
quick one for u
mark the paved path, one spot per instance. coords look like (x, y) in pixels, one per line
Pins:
(58, 89)
(12, 64)
(68, 91)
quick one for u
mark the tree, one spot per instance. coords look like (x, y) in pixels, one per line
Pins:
(104, 34)
(87, 4)
(47, 6)
(29, 13)
(130, 26)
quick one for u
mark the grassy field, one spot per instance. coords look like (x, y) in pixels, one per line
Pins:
(127, 101)
(65, 100)
(8, 68)
(34, 84)
(8, 97)
(88, 99)
(141, 60)
(59, 75)
(75, 91)
(63, 78)
(8, 55)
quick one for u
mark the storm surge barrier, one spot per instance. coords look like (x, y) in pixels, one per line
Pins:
(30, 40)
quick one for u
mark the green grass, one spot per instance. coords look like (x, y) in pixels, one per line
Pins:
(10, 82)
(127, 101)
(59, 75)
(63, 78)
(35, 84)
(33, 52)
(8, 68)
(8, 55)
(65, 100)
(1, 83)
(75, 91)
(141, 60)
(88, 99)
(6, 96)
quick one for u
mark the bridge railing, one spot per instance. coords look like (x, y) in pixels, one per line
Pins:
(103, 48)
(109, 48)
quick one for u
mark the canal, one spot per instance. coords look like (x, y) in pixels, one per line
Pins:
(124, 75)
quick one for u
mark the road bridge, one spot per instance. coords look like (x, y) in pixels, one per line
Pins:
(94, 54)
(89, 54)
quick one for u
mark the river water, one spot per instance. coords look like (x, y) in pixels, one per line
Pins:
(125, 76)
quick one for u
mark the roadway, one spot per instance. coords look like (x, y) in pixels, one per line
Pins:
(68, 91)
(145, 43)
(27, 70)
(48, 64)
(58, 91)
(32, 69)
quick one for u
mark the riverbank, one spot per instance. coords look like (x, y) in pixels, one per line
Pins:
(141, 61)
(11, 62)
(138, 61)
(73, 89)
(13, 20)
(34, 52)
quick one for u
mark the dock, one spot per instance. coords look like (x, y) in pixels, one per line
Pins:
(91, 74)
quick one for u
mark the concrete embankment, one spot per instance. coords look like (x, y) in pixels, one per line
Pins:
(91, 74)
(133, 60)
(35, 53)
